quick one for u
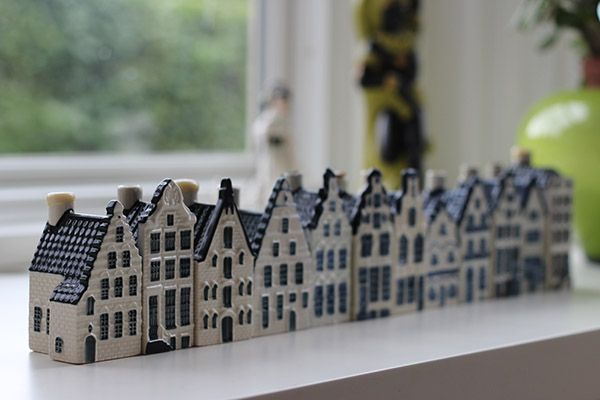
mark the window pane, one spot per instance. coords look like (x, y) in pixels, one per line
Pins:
(112, 75)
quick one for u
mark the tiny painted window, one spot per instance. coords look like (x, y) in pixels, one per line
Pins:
(400, 292)
(118, 325)
(450, 257)
(304, 299)
(103, 326)
(386, 277)
(434, 260)
(126, 259)
(275, 249)
(58, 345)
(412, 216)
(283, 274)
(170, 219)
(90, 306)
(384, 244)
(227, 297)
(299, 274)
(184, 306)
(374, 284)
(410, 290)
(330, 259)
(343, 258)
(132, 322)
(477, 204)
(228, 237)
(533, 215)
(170, 268)
(206, 292)
(37, 319)
(443, 230)
(214, 260)
(376, 220)
(241, 289)
(419, 245)
(343, 297)
(332, 206)
(185, 239)
(47, 321)
(285, 225)
(154, 270)
(133, 285)
(214, 292)
(170, 309)
(292, 248)
(104, 286)
(205, 321)
(249, 317)
(268, 276)
(119, 287)
(169, 241)
(326, 229)
(265, 311)
(214, 320)
(292, 297)
(249, 288)
(119, 234)
(337, 230)
(227, 262)
(482, 278)
(330, 299)
(366, 244)
(320, 257)
(112, 259)
(482, 246)
(377, 200)
(403, 250)
(241, 258)
(184, 267)
(155, 242)
(241, 317)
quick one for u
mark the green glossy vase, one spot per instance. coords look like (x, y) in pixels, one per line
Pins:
(563, 131)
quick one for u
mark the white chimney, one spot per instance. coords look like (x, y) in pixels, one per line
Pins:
(467, 171)
(435, 179)
(521, 156)
(340, 177)
(129, 195)
(58, 204)
(294, 179)
(189, 190)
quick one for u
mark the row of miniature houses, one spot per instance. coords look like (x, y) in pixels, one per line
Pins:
(173, 273)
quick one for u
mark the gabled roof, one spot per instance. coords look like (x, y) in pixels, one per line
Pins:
(281, 184)
(133, 215)
(70, 249)
(433, 202)
(362, 198)
(306, 202)
(251, 221)
(457, 199)
(208, 217)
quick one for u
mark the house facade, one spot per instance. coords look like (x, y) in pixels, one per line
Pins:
(409, 240)
(85, 286)
(164, 229)
(372, 252)
(223, 289)
(442, 258)
(330, 236)
(533, 215)
(283, 266)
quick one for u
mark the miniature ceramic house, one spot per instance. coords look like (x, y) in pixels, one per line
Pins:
(506, 235)
(532, 214)
(328, 227)
(372, 258)
(84, 286)
(164, 229)
(409, 238)
(558, 195)
(468, 206)
(442, 280)
(283, 266)
(224, 265)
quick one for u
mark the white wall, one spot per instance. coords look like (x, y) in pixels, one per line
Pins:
(478, 75)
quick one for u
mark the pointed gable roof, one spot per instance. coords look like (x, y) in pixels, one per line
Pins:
(209, 216)
(458, 199)
(373, 176)
(434, 202)
(70, 249)
(141, 211)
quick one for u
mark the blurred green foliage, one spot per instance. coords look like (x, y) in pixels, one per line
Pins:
(122, 75)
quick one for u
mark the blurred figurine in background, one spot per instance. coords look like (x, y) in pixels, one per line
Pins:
(394, 137)
(273, 141)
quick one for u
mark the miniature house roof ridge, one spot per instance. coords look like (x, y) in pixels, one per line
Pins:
(70, 249)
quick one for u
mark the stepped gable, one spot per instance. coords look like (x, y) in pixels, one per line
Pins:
(395, 198)
(208, 217)
(374, 174)
(141, 211)
(70, 249)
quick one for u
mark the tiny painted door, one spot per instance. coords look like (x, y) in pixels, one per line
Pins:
(227, 329)
(292, 320)
(90, 349)
(442, 296)
(420, 294)
(469, 285)
(153, 316)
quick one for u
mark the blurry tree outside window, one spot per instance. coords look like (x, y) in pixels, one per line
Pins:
(122, 75)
